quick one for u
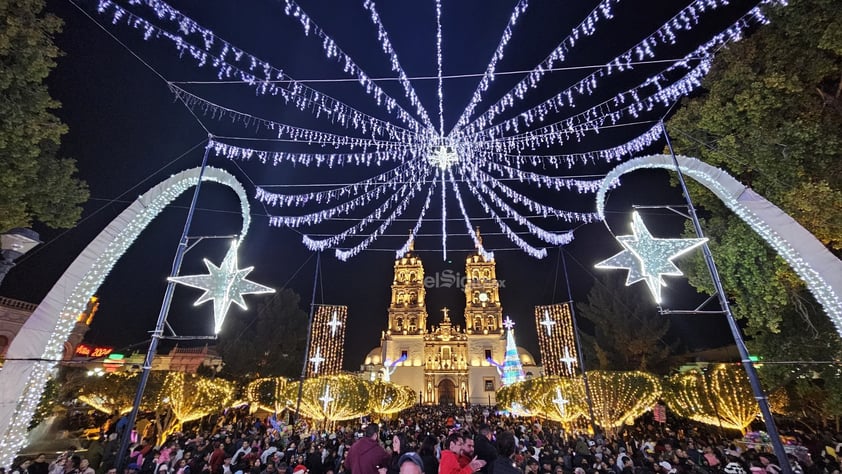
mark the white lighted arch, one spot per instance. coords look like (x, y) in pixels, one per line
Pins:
(814, 264)
(38, 346)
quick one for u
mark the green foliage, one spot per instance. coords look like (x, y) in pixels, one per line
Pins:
(46, 404)
(771, 115)
(34, 183)
(268, 342)
(628, 332)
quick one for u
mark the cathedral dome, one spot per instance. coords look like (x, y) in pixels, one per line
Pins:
(373, 357)
(525, 357)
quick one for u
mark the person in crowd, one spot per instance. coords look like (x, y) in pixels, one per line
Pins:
(411, 463)
(449, 463)
(366, 456)
(505, 464)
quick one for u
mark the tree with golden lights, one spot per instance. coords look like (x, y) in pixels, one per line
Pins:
(267, 393)
(719, 395)
(386, 398)
(189, 397)
(114, 393)
(330, 397)
(620, 397)
(560, 399)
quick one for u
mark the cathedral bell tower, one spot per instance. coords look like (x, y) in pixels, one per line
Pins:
(407, 311)
(483, 312)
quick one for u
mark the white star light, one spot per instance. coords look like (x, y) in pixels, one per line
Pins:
(568, 360)
(224, 285)
(317, 359)
(508, 323)
(326, 398)
(548, 323)
(333, 323)
(648, 258)
(560, 402)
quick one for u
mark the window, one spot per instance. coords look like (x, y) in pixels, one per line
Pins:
(487, 354)
(488, 384)
(404, 354)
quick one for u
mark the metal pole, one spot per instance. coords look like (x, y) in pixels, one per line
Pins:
(748, 365)
(579, 353)
(158, 333)
(309, 333)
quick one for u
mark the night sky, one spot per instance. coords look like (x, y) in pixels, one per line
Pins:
(128, 134)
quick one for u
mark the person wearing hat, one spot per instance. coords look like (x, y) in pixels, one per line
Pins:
(411, 463)
(299, 469)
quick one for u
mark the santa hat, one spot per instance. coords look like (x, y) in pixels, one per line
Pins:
(299, 469)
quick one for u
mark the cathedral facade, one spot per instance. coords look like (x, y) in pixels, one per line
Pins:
(444, 363)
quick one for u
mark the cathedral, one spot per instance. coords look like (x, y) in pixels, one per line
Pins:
(444, 363)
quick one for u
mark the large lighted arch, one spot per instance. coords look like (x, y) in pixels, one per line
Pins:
(814, 264)
(38, 346)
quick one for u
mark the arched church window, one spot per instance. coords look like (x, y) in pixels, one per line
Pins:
(476, 297)
(413, 298)
(412, 277)
(399, 323)
(478, 322)
(486, 274)
(475, 274)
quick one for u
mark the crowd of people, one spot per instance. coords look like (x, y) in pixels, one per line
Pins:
(438, 440)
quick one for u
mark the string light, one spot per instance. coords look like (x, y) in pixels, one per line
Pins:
(810, 260)
(721, 396)
(438, 62)
(327, 342)
(648, 258)
(61, 310)
(386, 44)
(620, 397)
(267, 393)
(389, 398)
(331, 50)
(230, 61)
(191, 397)
(349, 397)
(557, 347)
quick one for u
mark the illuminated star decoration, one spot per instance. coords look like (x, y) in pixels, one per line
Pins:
(560, 402)
(326, 398)
(317, 360)
(568, 360)
(224, 285)
(548, 323)
(508, 323)
(334, 323)
(648, 258)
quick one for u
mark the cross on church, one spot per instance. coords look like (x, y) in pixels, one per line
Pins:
(334, 323)
(568, 360)
(548, 323)
(446, 311)
(508, 323)
(317, 359)
(560, 402)
(326, 398)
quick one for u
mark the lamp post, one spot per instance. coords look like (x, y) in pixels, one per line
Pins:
(14, 243)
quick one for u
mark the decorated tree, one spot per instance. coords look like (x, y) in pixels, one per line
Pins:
(267, 393)
(620, 397)
(720, 395)
(386, 398)
(770, 115)
(330, 397)
(35, 184)
(189, 397)
(114, 393)
(560, 399)
(628, 333)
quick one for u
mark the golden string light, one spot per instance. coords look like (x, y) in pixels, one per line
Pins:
(115, 392)
(386, 398)
(349, 392)
(721, 395)
(190, 397)
(556, 340)
(267, 393)
(620, 397)
(327, 344)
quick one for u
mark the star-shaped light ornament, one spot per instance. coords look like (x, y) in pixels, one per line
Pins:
(648, 258)
(224, 285)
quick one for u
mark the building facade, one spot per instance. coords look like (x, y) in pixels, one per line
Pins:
(444, 363)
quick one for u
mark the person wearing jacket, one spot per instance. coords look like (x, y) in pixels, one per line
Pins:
(449, 463)
(366, 456)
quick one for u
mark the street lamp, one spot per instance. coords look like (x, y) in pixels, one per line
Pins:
(14, 243)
